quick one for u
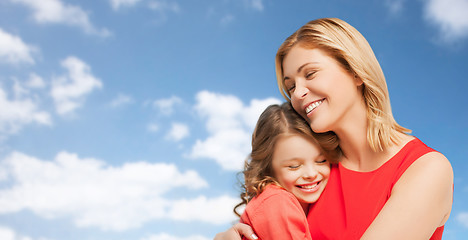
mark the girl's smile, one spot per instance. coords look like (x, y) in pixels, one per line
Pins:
(300, 168)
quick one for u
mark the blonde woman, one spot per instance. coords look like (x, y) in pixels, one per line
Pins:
(388, 184)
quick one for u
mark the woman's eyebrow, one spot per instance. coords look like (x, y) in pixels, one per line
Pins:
(305, 64)
(300, 68)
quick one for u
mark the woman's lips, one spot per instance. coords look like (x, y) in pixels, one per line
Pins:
(313, 105)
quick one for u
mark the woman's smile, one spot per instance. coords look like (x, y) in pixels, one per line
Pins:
(312, 106)
(329, 84)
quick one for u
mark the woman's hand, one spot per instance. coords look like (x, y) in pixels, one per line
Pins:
(236, 232)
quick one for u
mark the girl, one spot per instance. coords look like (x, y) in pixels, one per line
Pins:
(287, 171)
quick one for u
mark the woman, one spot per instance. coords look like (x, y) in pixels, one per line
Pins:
(388, 185)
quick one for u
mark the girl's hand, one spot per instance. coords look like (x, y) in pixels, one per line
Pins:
(236, 232)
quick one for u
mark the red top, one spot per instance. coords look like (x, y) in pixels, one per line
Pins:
(276, 214)
(352, 200)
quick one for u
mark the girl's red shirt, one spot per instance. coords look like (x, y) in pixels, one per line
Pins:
(276, 214)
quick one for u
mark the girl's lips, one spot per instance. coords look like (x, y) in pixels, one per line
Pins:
(309, 188)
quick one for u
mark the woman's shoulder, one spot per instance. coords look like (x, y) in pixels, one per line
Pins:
(430, 171)
(431, 164)
(429, 182)
(423, 161)
(410, 149)
(425, 156)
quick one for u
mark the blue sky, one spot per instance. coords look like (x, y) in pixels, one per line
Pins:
(129, 119)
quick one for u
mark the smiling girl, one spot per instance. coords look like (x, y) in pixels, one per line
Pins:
(286, 172)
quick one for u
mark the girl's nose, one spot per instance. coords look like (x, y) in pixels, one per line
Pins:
(310, 172)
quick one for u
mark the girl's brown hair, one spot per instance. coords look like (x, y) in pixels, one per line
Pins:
(275, 122)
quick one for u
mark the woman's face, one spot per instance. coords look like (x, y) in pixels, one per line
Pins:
(300, 168)
(324, 93)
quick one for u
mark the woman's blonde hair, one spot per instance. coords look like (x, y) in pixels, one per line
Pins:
(275, 122)
(351, 50)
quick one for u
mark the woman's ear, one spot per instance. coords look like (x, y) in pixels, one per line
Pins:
(357, 80)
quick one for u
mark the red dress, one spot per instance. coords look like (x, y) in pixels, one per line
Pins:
(352, 200)
(276, 214)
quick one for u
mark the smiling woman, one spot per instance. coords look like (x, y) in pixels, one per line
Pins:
(387, 184)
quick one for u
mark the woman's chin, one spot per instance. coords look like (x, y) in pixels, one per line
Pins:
(319, 129)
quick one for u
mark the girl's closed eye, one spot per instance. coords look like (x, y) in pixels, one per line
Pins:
(293, 166)
(322, 161)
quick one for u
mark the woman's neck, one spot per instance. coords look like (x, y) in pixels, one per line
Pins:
(352, 132)
(357, 152)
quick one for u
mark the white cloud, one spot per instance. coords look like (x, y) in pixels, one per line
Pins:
(462, 218)
(227, 19)
(153, 127)
(160, 6)
(164, 6)
(10, 234)
(394, 6)
(220, 209)
(230, 125)
(178, 132)
(69, 91)
(255, 4)
(120, 100)
(117, 197)
(7, 234)
(35, 81)
(166, 105)
(18, 112)
(450, 17)
(3, 175)
(116, 4)
(13, 50)
(19, 90)
(55, 11)
(165, 236)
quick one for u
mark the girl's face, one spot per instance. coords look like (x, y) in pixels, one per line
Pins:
(300, 168)
(321, 91)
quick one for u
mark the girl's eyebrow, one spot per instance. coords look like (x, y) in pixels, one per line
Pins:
(294, 159)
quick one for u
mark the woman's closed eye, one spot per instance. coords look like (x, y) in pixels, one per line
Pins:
(291, 87)
(310, 75)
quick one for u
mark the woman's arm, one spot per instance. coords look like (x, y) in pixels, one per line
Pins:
(421, 201)
(236, 232)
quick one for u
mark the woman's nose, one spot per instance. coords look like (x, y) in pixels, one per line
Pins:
(301, 90)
